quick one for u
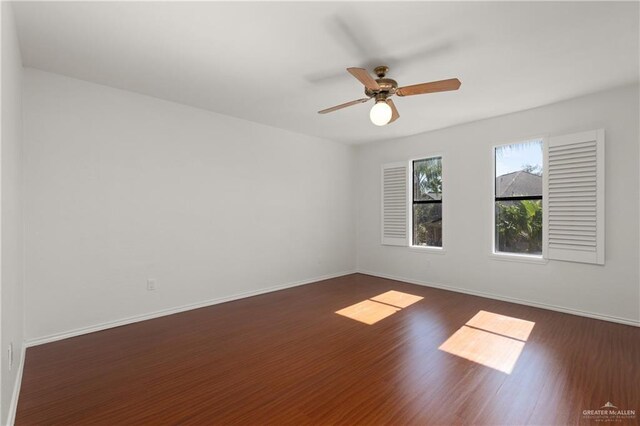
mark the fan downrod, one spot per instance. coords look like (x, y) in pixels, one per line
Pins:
(381, 71)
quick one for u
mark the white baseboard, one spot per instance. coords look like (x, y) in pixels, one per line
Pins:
(11, 418)
(563, 309)
(175, 310)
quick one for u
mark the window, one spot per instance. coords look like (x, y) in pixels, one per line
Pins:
(518, 198)
(427, 202)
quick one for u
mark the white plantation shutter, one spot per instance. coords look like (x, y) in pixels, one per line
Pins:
(394, 204)
(574, 195)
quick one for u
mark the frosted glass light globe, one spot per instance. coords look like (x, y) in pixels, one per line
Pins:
(380, 113)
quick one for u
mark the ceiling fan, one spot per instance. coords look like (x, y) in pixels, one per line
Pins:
(384, 111)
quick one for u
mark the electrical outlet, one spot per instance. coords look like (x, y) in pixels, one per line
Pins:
(151, 284)
(10, 355)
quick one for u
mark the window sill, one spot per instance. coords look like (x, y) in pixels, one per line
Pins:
(426, 249)
(523, 258)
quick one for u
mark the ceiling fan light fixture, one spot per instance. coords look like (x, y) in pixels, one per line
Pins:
(380, 113)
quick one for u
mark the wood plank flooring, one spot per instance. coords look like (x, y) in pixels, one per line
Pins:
(288, 358)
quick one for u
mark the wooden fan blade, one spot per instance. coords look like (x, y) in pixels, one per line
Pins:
(347, 104)
(394, 111)
(432, 87)
(364, 77)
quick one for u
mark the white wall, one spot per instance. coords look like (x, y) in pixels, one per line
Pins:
(122, 187)
(11, 288)
(611, 290)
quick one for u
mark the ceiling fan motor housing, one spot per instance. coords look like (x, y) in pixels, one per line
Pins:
(388, 87)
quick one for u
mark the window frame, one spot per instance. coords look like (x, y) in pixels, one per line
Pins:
(410, 204)
(522, 257)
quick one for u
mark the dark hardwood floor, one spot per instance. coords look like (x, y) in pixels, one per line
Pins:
(287, 358)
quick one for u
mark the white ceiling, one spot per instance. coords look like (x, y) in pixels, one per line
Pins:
(279, 63)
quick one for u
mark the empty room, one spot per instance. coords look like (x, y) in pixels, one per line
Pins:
(350, 213)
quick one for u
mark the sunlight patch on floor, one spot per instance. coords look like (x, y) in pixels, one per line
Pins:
(397, 298)
(492, 340)
(515, 328)
(368, 311)
(372, 310)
